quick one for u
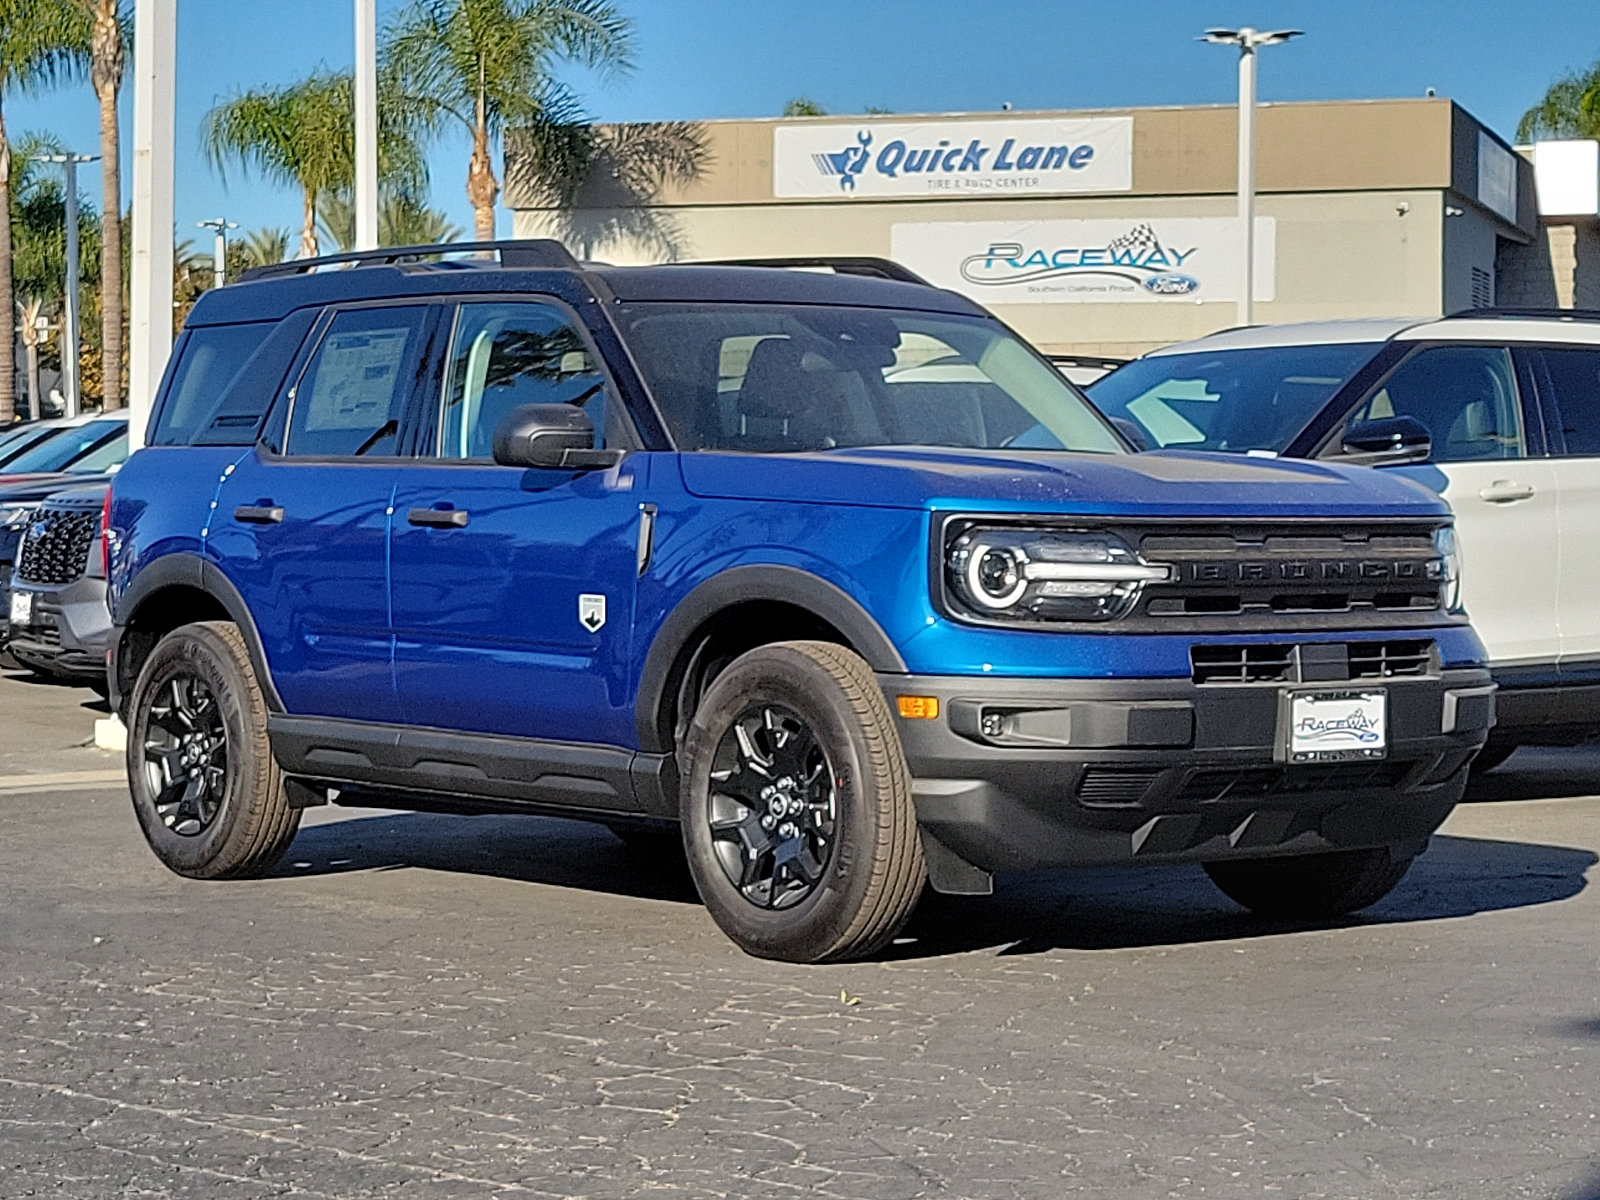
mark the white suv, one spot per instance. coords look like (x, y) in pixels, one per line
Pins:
(1496, 410)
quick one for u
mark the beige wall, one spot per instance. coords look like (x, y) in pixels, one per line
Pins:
(1340, 254)
(1358, 191)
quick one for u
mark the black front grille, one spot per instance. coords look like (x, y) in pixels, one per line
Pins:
(1312, 662)
(1252, 783)
(1264, 575)
(55, 546)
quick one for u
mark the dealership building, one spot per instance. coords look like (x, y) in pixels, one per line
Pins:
(1115, 231)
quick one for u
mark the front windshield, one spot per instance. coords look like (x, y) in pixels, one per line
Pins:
(62, 451)
(1239, 400)
(767, 378)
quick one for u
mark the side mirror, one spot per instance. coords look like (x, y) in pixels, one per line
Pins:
(550, 436)
(1131, 433)
(1387, 440)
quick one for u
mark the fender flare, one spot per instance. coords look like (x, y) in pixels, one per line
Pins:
(737, 585)
(188, 570)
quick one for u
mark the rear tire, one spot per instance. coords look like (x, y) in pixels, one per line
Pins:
(797, 814)
(208, 794)
(1310, 886)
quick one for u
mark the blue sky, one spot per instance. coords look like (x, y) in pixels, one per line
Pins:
(701, 59)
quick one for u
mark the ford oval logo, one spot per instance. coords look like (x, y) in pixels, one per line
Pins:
(1172, 284)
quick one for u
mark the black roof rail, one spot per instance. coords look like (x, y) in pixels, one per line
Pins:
(513, 253)
(1088, 360)
(875, 268)
(1547, 314)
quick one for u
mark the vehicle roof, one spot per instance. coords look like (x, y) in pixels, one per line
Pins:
(1304, 333)
(274, 298)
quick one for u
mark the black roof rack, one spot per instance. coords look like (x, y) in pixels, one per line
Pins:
(875, 268)
(1087, 360)
(514, 254)
(1548, 314)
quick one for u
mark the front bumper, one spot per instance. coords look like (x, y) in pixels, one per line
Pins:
(70, 630)
(1099, 772)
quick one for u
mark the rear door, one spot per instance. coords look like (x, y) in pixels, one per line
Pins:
(1487, 464)
(1569, 379)
(301, 526)
(513, 589)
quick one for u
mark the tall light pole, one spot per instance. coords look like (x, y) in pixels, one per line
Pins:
(69, 315)
(155, 61)
(366, 97)
(1248, 40)
(219, 247)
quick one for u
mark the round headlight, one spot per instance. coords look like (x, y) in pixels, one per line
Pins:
(994, 574)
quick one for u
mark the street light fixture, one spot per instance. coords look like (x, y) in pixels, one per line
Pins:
(69, 316)
(1248, 40)
(219, 248)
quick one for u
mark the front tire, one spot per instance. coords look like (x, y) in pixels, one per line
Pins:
(1310, 886)
(797, 815)
(207, 792)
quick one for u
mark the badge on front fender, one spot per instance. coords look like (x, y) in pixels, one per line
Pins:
(591, 611)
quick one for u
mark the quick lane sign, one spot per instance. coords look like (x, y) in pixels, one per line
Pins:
(952, 158)
(1086, 262)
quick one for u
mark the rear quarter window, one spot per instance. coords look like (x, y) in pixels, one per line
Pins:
(209, 357)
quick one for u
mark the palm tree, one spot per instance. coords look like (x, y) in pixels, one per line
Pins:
(804, 106)
(1570, 108)
(403, 220)
(108, 35)
(261, 247)
(488, 65)
(304, 135)
(37, 39)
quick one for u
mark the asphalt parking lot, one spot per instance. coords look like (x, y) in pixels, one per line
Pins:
(420, 1006)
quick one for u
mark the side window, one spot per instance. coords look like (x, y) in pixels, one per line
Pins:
(1465, 395)
(351, 399)
(208, 359)
(505, 355)
(1575, 380)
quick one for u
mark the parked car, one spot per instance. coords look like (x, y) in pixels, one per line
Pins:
(60, 622)
(832, 574)
(84, 454)
(24, 435)
(1497, 411)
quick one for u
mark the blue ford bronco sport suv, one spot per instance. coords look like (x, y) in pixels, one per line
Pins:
(831, 572)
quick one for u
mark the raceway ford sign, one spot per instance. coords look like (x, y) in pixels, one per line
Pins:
(1087, 262)
(1010, 157)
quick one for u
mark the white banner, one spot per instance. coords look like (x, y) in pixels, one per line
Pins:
(954, 158)
(1087, 262)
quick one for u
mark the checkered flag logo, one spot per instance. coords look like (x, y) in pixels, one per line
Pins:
(1139, 238)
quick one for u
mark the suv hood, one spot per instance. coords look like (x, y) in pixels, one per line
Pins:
(1165, 483)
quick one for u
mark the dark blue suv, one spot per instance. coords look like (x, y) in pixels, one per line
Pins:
(831, 574)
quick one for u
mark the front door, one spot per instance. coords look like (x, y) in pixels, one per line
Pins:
(1505, 502)
(513, 590)
(301, 528)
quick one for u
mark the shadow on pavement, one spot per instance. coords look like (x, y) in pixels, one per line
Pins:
(1540, 773)
(1078, 910)
(22, 675)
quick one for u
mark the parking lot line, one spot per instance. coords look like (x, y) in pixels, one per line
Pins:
(62, 781)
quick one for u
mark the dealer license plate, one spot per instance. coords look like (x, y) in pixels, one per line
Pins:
(21, 608)
(1337, 726)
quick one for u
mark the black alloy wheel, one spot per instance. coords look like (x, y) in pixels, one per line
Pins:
(773, 806)
(186, 755)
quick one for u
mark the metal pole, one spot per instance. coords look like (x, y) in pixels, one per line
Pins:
(69, 314)
(1247, 178)
(366, 116)
(155, 47)
(219, 248)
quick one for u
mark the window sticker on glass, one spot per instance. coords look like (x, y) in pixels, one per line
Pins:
(355, 380)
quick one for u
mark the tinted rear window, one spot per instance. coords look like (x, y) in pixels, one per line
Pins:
(208, 359)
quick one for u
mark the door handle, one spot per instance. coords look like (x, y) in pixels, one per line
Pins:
(1505, 491)
(438, 518)
(258, 514)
